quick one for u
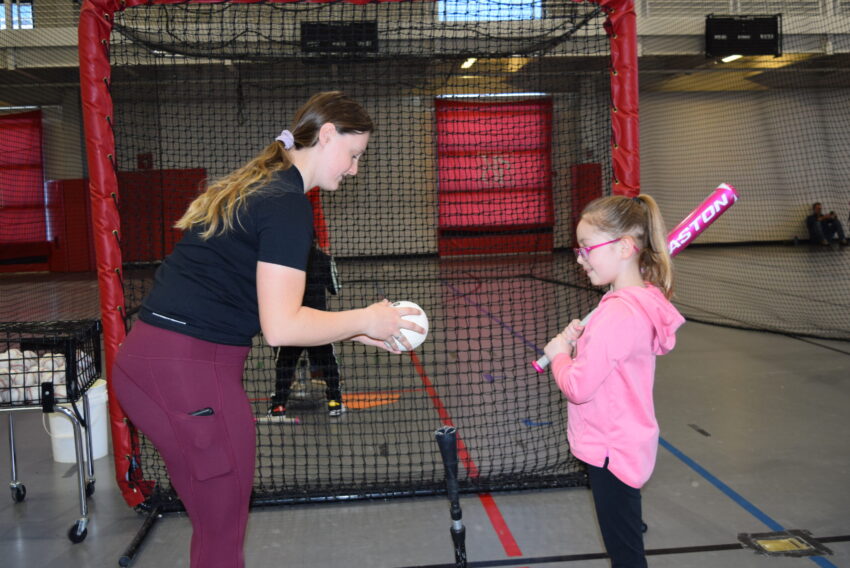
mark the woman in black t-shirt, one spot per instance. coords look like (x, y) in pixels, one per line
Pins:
(239, 268)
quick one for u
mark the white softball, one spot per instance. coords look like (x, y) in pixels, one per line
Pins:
(17, 378)
(14, 359)
(52, 362)
(17, 394)
(419, 319)
(12, 354)
(32, 378)
(30, 359)
(58, 377)
(33, 394)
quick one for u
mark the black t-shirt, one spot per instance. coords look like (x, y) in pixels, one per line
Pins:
(208, 288)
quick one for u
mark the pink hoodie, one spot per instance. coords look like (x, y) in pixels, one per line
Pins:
(608, 385)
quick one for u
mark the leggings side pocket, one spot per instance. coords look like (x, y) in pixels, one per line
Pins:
(203, 439)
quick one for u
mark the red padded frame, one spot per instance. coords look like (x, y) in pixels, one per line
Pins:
(96, 21)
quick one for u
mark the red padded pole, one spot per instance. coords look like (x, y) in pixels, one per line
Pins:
(621, 26)
(93, 33)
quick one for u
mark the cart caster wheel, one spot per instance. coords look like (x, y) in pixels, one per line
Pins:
(19, 493)
(90, 488)
(78, 532)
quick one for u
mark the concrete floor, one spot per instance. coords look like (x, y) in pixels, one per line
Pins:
(753, 441)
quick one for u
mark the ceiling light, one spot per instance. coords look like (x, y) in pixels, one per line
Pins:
(483, 95)
(468, 63)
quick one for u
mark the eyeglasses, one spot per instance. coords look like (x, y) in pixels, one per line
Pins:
(584, 252)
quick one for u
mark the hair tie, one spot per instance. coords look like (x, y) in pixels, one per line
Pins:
(287, 139)
(637, 199)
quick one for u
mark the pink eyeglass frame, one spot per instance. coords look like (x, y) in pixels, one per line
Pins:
(584, 252)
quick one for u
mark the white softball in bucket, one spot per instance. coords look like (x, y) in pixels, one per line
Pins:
(419, 319)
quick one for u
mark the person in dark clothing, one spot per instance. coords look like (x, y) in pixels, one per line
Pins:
(824, 227)
(320, 281)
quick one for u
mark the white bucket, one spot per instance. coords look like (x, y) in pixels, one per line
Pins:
(62, 430)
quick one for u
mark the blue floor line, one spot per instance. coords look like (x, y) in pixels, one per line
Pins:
(735, 496)
(493, 317)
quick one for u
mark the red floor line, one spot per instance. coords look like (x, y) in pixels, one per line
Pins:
(499, 525)
(507, 539)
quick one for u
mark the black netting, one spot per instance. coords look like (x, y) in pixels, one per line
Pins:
(776, 128)
(431, 218)
(462, 224)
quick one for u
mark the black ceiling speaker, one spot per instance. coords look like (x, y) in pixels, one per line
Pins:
(339, 37)
(743, 35)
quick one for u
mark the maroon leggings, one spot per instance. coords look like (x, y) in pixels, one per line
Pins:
(162, 377)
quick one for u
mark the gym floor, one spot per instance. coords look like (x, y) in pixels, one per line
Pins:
(754, 441)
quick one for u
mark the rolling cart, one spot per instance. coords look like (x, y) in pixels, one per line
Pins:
(50, 366)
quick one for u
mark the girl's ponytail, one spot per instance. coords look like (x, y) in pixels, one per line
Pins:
(655, 262)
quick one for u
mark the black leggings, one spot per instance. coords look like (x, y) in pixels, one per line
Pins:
(618, 510)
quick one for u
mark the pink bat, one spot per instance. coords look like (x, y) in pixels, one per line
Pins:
(684, 233)
(700, 218)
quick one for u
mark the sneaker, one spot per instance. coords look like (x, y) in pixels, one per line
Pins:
(278, 410)
(277, 415)
(335, 408)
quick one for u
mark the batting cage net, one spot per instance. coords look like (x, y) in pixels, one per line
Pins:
(759, 102)
(483, 131)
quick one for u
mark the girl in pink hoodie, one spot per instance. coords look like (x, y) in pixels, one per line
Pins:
(606, 368)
